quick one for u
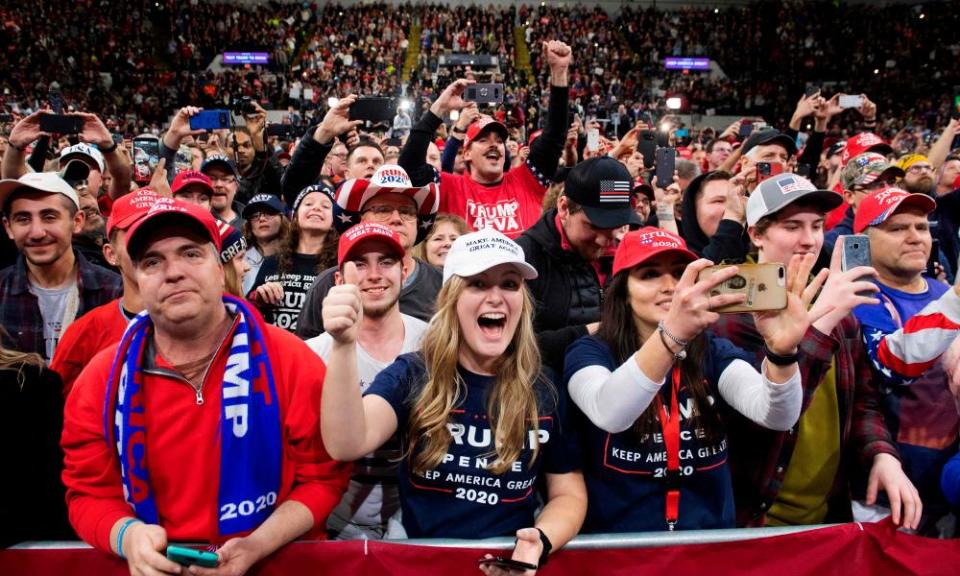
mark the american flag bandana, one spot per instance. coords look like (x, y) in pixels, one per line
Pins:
(614, 191)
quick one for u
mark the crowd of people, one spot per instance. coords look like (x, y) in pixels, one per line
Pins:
(471, 328)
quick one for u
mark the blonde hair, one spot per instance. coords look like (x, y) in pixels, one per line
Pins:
(511, 404)
(420, 250)
(14, 360)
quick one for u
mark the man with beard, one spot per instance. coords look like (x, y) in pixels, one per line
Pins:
(487, 195)
(918, 177)
(225, 178)
(50, 285)
(371, 258)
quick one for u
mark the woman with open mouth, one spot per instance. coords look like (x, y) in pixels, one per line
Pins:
(653, 380)
(481, 421)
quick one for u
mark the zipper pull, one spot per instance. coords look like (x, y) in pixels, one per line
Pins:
(199, 397)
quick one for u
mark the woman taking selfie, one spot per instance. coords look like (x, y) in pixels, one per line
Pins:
(481, 423)
(651, 379)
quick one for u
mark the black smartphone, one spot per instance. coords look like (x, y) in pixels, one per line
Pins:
(374, 109)
(61, 123)
(398, 142)
(811, 91)
(282, 131)
(6, 117)
(507, 564)
(117, 138)
(746, 128)
(934, 258)
(210, 120)
(484, 93)
(648, 147)
(666, 165)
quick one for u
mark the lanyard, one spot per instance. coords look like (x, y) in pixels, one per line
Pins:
(671, 439)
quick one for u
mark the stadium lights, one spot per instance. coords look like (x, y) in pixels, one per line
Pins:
(332, 101)
(674, 103)
(405, 104)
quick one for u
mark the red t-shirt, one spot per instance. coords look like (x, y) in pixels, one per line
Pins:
(183, 450)
(511, 206)
(85, 338)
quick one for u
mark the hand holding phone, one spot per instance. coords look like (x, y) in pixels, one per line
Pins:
(374, 109)
(746, 128)
(61, 123)
(763, 286)
(593, 139)
(767, 170)
(850, 100)
(211, 120)
(484, 93)
(190, 557)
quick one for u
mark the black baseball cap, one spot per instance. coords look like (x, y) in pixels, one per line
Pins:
(770, 136)
(603, 187)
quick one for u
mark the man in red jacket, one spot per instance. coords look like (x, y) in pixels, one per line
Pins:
(202, 424)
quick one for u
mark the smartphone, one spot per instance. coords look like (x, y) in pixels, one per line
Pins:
(61, 124)
(211, 120)
(850, 100)
(374, 109)
(507, 564)
(956, 107)
(648, 147)
(934, 258)
(746, 128)
(768, 170)
(811, 91)
(593, 139)
(666, 165)
(682, 133)
(190, 557)
(855, 251)
(398, 142)
(282, 131)
(146, 155)
(6, 117)
(117, 138)
(765, 286)
(484, 93)
(805, 170)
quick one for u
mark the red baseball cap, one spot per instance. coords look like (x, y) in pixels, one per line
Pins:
(351, 240)
(640, 245)
(130, 207)
(864, 142)
(188, 177)
(166, 210)
(483, 125)
(877, 207)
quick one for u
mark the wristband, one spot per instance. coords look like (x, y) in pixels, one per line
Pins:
(109, 150)
(457, 130)
(778, 360)
(15, 147)
(547, 547)
(664, 334)
(120, 534)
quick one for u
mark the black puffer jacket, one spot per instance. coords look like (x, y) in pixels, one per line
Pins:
(567, 292)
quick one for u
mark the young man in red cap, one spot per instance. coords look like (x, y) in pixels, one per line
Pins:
(917, 404)
(486, 195)
(371, 262)
(225, 447)
(104, 325)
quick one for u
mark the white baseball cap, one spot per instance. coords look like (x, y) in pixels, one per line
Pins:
(480, 251)
(81, 149)
(49, 182)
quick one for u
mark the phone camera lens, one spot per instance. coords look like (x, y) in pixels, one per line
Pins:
(737, 282)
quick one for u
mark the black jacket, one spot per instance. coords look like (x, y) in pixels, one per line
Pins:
(729, 244)
(568, 293)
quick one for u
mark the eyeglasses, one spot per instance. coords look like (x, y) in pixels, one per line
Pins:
(918, 168)
(224, 179)
(384, 212)
(263, 215)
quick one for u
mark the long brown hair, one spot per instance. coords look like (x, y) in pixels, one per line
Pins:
(619, 332)
(511, 405)
(14, 360)
(327, 256)
(283, 235)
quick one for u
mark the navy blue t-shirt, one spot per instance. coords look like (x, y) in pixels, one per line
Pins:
(460, 498)
(625, 473)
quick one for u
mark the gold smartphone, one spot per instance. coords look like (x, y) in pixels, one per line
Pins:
(764, 284)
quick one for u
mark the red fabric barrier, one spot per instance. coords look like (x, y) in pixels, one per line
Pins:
(848, 549)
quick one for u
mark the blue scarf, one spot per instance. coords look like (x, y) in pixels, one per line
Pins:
(250, 438)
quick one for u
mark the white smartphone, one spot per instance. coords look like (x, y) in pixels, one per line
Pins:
(593, 139)
(850, 100)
